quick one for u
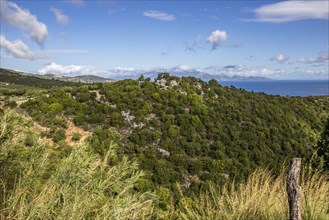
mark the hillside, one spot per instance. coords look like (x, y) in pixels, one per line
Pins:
(12, 77)
(45, 180)
(88, 79)
(185, 130)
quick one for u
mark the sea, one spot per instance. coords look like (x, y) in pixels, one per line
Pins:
(284, 87)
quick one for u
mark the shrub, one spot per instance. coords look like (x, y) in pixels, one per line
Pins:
(59, 135)
(76, 136)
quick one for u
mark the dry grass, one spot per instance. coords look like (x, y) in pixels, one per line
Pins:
(261, 197)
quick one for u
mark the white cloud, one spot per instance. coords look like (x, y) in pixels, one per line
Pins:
(79, 3)
(70, 70)
(60, 17)
(280, 58)
(23, 19)
(319, 60)
(288, 11)
(183, 67)
(18, 49)
(242, 70)
(159, 15)
(217, 38)
(265, 71)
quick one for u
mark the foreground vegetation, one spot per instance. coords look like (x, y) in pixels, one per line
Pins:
(48, 181)
(43, 181)
(262, 196)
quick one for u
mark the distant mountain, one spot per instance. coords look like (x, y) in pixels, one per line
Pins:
(79, 79)
(204, 75)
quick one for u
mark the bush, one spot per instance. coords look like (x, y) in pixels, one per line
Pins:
(76, 136)
(59, 135)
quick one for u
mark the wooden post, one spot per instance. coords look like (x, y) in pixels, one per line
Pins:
(294, 190)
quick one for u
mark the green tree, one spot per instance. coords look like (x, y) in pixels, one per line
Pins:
(141, 78)
(323, 146)
(55, 108)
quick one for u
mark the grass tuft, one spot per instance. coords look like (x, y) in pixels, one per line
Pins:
(261, 197)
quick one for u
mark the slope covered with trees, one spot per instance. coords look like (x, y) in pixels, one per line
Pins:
(12, 77)
(184, 130)
(323, 146)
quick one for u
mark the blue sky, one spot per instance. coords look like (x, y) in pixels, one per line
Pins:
(276, 39)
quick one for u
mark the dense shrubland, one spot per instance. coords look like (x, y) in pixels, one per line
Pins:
(47, 181)
(185, 130)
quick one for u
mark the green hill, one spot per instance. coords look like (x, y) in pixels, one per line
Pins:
(16, 78)
(185, 130)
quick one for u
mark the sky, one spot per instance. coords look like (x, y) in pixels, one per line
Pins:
(275, 39)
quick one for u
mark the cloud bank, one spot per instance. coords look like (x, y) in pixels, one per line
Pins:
(205, 73)
(322, 58)
(70, 70)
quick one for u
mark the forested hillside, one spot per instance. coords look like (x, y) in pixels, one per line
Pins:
(12, 77)
(184, 130)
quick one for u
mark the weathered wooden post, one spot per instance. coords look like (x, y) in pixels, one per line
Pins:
(294, 190)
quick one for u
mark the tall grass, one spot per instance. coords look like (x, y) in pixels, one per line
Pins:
(261, 197)
(77, 185)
